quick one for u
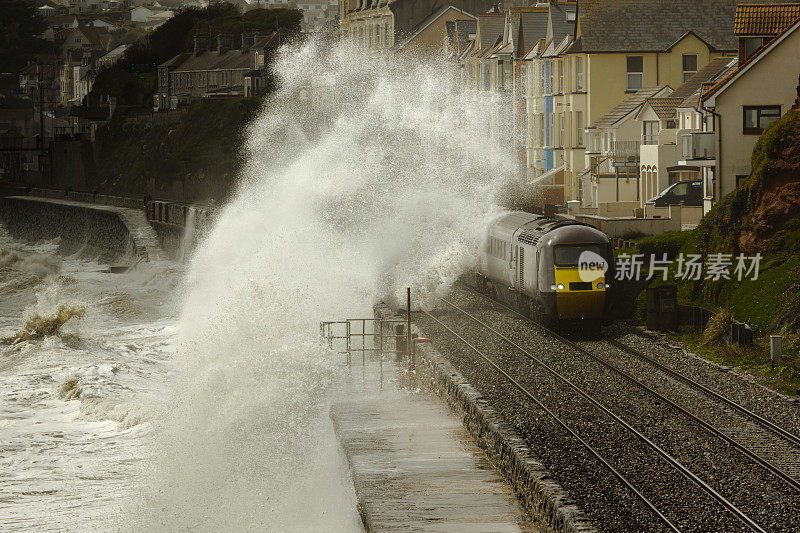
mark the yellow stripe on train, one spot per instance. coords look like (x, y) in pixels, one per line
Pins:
(579, 298)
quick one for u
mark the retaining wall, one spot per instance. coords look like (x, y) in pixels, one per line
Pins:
(542, 497)
(98, 228)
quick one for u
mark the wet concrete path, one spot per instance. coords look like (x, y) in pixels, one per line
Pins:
(414, 466)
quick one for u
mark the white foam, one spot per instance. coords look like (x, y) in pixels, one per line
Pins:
(364, 176)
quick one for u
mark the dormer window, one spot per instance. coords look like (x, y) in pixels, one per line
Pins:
(570, 16)
(752, 45)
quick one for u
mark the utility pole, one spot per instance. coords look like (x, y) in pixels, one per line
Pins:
(41, 102)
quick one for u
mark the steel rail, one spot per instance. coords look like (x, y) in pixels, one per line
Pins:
(794, 439)
(735, 511)
(755, 457)
(564, 425)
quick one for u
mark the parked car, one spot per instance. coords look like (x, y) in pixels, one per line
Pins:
(689, 192)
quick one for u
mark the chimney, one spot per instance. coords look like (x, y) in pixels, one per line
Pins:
(248, 40)
(200, 44)
(224, 42)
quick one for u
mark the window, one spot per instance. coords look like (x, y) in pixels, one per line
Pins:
(579, 128)
(650, 132)
(595, 141)
(561, 76)
(501, 75)
(689, 66)
(551, 89)
(541, 78)
(757, 118)
(523, 79)
(540, 140)
(569, 255)
(708, 123)
(752, 45)
(635, 73)
(579, 73)
(552, 133)
(561, 131)
(681, 189)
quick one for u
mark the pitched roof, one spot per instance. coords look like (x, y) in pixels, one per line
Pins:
(688, 94)
(528, 26)
(490, 27)
(627, 106)
(561, 27)
(427, 22)
(764, 19)
(655, 25)
(458, 35)
(665, 106)
(98, 36)
(213, 60)
(731, 76)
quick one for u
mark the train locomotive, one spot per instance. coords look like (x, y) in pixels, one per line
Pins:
(552, 270)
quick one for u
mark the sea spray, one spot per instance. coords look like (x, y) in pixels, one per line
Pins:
(364, 176)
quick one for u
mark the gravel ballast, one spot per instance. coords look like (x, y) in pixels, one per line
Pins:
(763, 497)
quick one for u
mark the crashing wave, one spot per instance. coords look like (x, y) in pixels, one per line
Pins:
(96, 409)
(37, 326)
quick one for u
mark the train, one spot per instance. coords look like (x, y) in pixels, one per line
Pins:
(556, 271)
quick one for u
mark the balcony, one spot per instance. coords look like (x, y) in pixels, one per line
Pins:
(699, 146)
(625, 153)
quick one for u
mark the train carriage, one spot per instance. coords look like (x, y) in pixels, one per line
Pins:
(553, 269)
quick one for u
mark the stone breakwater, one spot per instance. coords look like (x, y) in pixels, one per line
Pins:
(114, 233)
(532, 483)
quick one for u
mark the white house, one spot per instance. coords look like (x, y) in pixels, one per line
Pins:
(100, 23)
(612, 154)
(141, 14)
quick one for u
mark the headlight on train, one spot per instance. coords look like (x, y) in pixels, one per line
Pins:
(600, 286)
(560, 287)
(553, 287)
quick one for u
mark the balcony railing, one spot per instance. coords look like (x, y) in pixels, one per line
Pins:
(698, 145)
(625, 152)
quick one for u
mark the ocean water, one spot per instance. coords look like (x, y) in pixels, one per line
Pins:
(196, 397)
(82, 357)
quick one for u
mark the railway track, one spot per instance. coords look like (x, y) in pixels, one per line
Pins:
(767, 444)
(758, 448)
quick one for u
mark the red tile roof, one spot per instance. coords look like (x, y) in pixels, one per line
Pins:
(764, 19)
(708, 92)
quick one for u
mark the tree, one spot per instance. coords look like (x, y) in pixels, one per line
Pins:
(20, 27)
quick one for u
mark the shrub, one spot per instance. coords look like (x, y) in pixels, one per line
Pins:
(669, 243)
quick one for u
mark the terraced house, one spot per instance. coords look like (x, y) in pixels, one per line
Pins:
(382, 24)
(227, 71)
(594, 55)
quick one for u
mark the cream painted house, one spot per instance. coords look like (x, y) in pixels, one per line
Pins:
(662, 128)
(742, 104)
(613, 153)
(622, 47)
(427, 38)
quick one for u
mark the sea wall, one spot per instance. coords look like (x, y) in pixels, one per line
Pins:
(541, 496)
(99, 229)
(37, 214)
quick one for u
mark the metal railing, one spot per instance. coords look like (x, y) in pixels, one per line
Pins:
(352, 336)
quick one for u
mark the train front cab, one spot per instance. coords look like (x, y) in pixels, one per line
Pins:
(574, 293)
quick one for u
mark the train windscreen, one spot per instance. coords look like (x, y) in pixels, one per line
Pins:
(567, 256)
